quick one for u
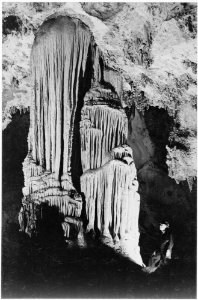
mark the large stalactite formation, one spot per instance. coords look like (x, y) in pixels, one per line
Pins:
(77, 139)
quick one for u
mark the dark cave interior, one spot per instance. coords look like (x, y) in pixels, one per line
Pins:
(159, 125)
(182, 220)
(46, 266)
(14, 150)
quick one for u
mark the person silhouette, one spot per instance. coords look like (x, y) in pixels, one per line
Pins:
(163, 251)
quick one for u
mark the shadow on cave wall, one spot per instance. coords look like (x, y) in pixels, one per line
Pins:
(14, 150)
(159, 125)
(84, 86)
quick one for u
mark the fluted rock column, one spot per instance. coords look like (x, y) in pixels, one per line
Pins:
(58, 61)
(109, 180)
(63, 54)
(58, 58)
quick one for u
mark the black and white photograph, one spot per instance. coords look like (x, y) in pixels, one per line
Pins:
(99, 150)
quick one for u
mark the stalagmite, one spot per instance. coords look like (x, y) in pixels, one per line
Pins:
(109, 180)
(77, 103)
(58, 60)
(111, 189)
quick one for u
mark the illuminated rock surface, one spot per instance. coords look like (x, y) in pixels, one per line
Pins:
(153, 46)
(140, 80)
(60, 56)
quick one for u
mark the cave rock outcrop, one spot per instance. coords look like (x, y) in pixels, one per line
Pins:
(77, 143)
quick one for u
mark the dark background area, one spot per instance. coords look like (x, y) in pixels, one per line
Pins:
(50, 268)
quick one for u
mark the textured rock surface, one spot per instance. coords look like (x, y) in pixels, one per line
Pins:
(152, 45)
(153, 48)
(109, 180)
(65, 63)
(58, 58)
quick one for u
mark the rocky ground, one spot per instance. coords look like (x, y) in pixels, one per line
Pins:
(34, 269)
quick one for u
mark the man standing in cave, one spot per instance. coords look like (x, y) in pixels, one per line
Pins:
(21, 217)
(163, 252)
(166, 244)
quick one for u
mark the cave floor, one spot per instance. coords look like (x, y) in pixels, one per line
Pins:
(32, 269)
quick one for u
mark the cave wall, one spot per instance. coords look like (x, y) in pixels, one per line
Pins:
(155, 58)
(139, 139)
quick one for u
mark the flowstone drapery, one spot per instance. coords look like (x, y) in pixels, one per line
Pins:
(77, 140)
(109, 180)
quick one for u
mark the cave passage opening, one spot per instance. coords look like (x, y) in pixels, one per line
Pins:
(14, 150)
(159, 125)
